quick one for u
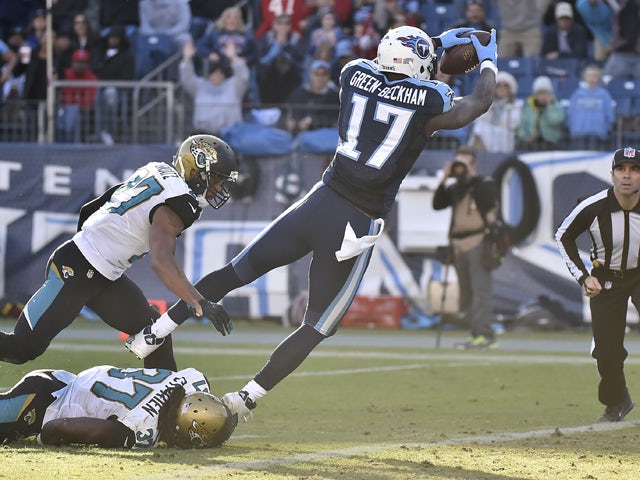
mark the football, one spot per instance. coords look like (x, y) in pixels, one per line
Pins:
(461, 59)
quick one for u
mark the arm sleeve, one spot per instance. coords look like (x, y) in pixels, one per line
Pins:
(92, 206)
(441, 198)
(486, 194)
(188, 77)
(185, 206)
(576, 223)
(108, 433)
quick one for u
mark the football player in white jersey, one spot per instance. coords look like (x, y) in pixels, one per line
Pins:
(144, 214)
(116, 408)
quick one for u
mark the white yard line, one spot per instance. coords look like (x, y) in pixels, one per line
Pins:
(451, 360)
(204, 470)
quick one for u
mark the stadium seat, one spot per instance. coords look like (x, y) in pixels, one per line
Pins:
(560, 67)
(565, 86)
(626, 94)
(525, 86)
(518, 66)
(439, 17)
(151, 51)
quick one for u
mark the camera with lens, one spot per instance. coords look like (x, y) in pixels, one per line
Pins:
(459, 170)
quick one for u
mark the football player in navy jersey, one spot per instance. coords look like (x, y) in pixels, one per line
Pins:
(145, 214)
(389, 107)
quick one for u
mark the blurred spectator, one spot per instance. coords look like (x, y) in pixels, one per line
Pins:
(591, 112)
(218, 98)
(8, 61)
(597, 16)
(343, 55)
(475, 17)
(116, 62)
(63, 13)
(14, 84)
(520, 28)
(363, 9)
(315, 104)
(624, 60)
(75, 119)
(386, 13)
(35, 88)
(36, 28)
(35, 83)
(297, 10)
(119, 12)
(230, 28)
(63, 48)
(326, 36)
(204, 13)
(495, 131)
(542, 124)
(366, 39)
(565, 38)
(84, 38)
(165, 17)
(14, 15)
(344, 15)
(281, 58)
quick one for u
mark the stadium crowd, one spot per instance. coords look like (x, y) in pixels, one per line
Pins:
(570, 71)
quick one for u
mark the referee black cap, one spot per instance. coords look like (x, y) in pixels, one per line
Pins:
(626, 154)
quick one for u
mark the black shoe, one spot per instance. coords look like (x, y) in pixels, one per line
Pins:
(616, 413)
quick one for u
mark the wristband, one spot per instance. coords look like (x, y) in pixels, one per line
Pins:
(486, 63)
(437, 43)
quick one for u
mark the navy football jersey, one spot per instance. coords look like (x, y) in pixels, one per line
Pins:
(381, 126)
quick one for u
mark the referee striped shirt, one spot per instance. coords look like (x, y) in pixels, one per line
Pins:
(614, 234)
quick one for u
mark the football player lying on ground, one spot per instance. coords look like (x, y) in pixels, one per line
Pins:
(143, 215)
(116, 408)
(389, 108)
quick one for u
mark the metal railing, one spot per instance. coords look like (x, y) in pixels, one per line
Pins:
(131, 111)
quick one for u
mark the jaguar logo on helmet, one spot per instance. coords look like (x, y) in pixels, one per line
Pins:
(201, 150)
(418, 44)
(198, 435)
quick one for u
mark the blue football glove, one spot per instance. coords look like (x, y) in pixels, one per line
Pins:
(489, 51)
(450, 38)
(216, 315)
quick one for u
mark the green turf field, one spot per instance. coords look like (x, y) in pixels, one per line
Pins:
(385, 406)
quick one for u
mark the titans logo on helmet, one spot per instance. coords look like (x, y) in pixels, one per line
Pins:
(418, 44)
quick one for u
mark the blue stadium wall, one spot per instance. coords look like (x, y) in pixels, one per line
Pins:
(42, 188)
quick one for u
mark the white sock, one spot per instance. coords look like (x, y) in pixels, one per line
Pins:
(254, 390)
(163, 326)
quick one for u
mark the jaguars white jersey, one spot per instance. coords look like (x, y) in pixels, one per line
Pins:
(133, 396)
(117, 233)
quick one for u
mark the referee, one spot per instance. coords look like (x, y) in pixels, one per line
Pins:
(612, 219)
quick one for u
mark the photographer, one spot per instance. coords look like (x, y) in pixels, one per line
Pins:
(474, 202)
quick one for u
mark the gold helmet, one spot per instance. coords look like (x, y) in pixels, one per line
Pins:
(203, 421)
(211, 158)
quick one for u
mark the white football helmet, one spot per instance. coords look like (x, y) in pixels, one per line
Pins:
(408, 51)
